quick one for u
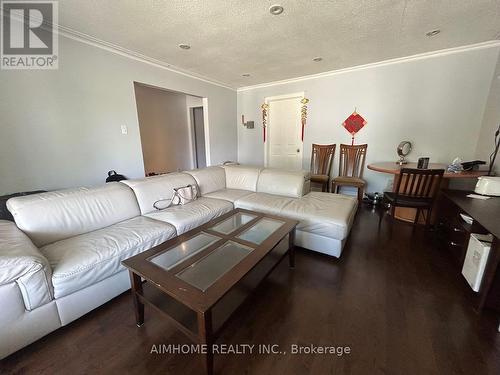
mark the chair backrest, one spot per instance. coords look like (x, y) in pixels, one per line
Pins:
(419, 183)
(322, 158)
(352, 160)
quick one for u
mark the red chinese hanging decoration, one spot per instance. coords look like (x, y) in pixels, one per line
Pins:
(303, 115)
(354, 123)
(265, 108)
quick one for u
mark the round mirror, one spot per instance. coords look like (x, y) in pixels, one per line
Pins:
(403, 149)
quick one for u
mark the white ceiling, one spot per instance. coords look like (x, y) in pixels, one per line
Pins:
(232, 37)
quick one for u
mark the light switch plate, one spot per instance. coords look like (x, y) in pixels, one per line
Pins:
(124, 129)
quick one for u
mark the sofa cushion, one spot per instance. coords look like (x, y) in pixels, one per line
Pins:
(83, 260)
(151, 189)
(293, 184)
(242, 178)
(324, 214)
(54, 216)
(209, 179)
(229, 194)
(193, 214)
(267, 203)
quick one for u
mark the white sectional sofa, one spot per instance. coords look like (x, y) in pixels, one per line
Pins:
(62, 257)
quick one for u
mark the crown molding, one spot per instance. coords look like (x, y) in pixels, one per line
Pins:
(70, 33)
(122, 51)
(420, 56)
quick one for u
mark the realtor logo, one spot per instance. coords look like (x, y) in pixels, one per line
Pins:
(28, 40)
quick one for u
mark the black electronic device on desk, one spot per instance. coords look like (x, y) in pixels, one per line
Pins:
(469, 165)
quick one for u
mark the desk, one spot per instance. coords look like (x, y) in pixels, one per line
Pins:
(408, 214)
(454, 232)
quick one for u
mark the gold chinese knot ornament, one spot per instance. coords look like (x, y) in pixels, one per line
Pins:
(303, 115)
(265, 108)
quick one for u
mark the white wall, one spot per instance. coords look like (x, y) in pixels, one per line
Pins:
(491, 120)
(164, 129)
(62, 128)
(435, 102)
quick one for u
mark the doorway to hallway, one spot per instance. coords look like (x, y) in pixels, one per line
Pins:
(173, 129)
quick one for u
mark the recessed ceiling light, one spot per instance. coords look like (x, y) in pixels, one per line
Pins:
(184, 46)
(276, 9)
(317, 59)
(433, 33)
(246, 75)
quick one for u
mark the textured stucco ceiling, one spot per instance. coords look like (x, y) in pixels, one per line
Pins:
(231, 37)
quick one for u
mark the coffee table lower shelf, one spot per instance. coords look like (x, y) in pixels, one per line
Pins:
(199, 327)
(202, 321)
(179, 315)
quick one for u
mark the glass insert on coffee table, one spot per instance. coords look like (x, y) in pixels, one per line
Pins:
(198, 279)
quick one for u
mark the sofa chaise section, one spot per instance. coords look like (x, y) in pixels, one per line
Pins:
(325, 219)
(263, 202)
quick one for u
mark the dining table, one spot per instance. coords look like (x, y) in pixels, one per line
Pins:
(394, 168)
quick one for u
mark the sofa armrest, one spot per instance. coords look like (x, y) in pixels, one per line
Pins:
(21, 262)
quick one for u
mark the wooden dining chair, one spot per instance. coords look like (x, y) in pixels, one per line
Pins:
(351, 166)
(415, 188)
(321, 164)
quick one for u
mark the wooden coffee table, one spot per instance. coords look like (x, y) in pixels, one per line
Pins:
(198, 279)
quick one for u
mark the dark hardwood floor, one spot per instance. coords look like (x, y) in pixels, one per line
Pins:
(397, 303)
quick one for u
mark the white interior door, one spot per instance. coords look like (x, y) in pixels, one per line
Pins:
(284, 144)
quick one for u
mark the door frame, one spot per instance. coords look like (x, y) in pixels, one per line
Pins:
(268, 100)
(194, 137)
(206, 129)
(208, 158)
